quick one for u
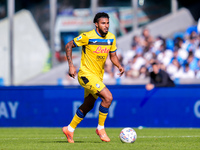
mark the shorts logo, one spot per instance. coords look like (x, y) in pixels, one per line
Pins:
(78, 38)
(97, 85)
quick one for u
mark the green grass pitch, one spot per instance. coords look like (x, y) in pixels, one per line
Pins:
(86, 139)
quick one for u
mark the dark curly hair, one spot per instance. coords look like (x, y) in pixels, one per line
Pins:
(100, 15)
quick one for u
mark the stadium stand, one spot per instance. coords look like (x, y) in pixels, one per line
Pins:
(174, 45)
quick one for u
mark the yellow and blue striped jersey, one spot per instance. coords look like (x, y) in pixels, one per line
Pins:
(95, 49)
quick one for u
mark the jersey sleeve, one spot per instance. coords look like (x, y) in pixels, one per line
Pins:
(113, 47)
(81, 40)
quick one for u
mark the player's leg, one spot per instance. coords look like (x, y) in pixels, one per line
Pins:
(107, 98)
(87, 105)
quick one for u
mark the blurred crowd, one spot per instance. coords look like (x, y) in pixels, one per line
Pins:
(178, 56)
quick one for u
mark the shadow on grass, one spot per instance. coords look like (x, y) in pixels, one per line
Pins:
(70, 143)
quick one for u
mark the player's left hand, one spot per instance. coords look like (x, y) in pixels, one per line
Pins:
(121, 69)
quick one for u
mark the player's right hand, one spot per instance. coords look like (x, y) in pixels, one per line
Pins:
(121, 69)
(72, 72)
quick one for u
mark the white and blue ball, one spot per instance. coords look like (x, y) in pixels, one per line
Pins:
(128, 135)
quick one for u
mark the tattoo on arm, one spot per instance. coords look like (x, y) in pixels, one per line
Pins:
(68, 49)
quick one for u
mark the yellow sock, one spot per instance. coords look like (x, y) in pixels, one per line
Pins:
(78, 117)
(103, 112)
(75, 121)
(102, 118)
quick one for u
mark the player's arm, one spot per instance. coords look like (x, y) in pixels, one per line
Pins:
(114, 59)
(68, 50)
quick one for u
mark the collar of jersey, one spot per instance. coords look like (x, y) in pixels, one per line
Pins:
(99, 34)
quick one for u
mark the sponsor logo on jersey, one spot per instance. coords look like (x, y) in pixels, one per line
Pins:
(101, 50)
(100, 57)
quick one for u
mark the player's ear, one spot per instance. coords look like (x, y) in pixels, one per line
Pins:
(96, 24)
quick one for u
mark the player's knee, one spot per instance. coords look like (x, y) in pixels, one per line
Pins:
(109, 99)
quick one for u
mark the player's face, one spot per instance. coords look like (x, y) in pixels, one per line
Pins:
(102, 26)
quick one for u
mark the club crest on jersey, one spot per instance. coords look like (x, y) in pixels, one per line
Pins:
(109, 42)
(101, 50)
(78, 38)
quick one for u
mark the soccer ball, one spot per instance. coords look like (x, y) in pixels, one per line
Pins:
(128, 135)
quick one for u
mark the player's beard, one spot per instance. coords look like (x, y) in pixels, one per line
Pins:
(103, 33)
